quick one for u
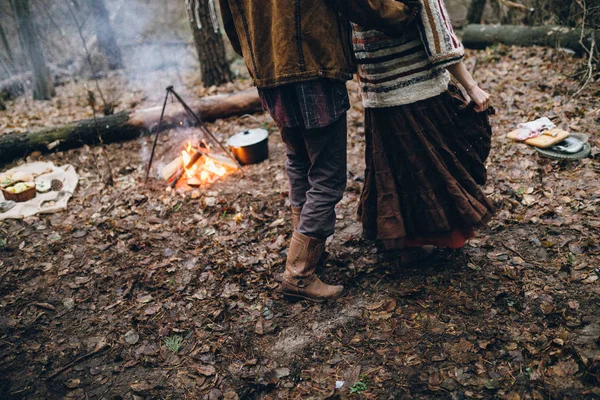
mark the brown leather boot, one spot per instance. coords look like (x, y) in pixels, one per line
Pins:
(296, 211)
(299, 278)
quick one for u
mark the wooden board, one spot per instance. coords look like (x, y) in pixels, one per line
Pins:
(547, 139)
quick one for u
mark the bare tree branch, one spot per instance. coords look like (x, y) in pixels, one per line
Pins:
(590, 50)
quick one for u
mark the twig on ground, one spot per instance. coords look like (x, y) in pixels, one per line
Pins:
(513, 250)
(92, 103)
(520, 255)
(100, 348)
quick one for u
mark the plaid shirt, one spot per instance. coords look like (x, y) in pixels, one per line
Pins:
(313, 104)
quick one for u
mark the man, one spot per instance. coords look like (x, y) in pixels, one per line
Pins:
(299, 54)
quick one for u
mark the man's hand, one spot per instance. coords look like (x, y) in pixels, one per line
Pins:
(387, 16)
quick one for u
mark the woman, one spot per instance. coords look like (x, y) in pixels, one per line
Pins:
(426, 147)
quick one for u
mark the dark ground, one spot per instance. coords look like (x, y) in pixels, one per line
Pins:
(514, 315)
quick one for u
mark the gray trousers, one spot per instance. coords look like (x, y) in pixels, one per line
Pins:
(316, 168)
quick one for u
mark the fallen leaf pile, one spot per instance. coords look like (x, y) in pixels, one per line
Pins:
(142, 292)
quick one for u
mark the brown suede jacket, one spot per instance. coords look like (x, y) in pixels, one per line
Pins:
(287, 41)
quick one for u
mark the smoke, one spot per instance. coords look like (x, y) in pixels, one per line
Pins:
(153, 35)
(155, 42)
(157, 48)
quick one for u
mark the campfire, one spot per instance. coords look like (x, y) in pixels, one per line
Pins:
(197, 166)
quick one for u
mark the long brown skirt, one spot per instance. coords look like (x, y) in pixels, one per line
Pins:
(424, 164)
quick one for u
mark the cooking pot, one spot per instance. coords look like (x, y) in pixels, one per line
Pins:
(250, 147)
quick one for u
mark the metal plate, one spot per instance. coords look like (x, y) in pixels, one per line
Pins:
(555, 155)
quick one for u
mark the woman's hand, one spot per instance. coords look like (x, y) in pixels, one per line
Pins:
(480, 97)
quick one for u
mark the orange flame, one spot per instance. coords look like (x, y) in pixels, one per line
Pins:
(186, 156)
(210, 166)
(208, 171)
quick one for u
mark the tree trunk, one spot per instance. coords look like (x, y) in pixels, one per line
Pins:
(2, 105)
(124, 125)
(43, 85)
(209, 42)
(5, 44)
(475, 13)
(105, 34)
(481, 36)
(7, 69)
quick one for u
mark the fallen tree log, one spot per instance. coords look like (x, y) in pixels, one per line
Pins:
(481, 36)
(125, 125)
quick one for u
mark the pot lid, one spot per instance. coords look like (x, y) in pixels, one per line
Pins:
(248, 138)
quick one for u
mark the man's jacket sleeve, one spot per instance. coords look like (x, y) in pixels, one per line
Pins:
(229, 26)
(387, 16)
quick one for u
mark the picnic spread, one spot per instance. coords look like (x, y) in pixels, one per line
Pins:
(36, 188)
(551, 141)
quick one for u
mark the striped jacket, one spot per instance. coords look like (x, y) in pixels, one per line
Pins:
(411, 67)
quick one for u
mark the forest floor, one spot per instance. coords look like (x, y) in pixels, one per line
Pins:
(136, 292)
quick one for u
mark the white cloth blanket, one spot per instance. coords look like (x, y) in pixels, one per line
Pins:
(534, 128)
(44, 203)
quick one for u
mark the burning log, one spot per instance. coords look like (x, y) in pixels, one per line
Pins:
(173, 182)
(125, 125)
(171, 169)
(190, 157)
(199, 165)
(223, 160)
